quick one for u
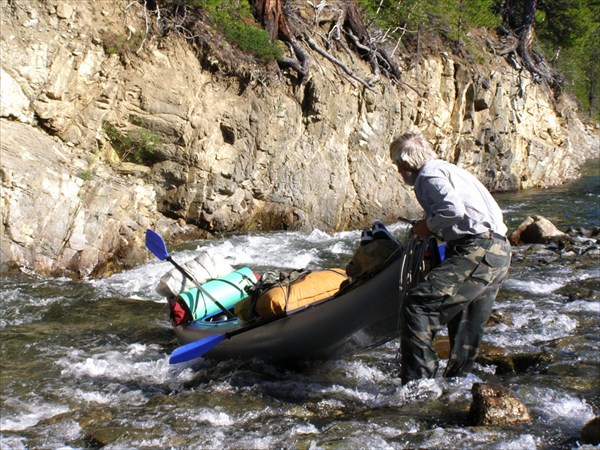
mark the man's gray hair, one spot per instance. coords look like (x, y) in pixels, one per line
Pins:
(413, 149)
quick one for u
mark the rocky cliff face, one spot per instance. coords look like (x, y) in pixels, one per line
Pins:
(235, 154)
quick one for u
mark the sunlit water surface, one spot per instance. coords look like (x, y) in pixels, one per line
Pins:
(85, 363)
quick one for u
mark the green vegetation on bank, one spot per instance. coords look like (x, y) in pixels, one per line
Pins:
(239, 27)
(122, 44)
(451, 18)
(137, 145)
(567, 32)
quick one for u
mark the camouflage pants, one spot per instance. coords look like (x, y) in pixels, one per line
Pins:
(458, 293)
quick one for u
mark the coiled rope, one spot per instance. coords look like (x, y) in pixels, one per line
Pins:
(412, 268)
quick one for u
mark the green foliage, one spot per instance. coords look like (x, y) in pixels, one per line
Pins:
(453, 17)
(235, 20)
(568, 31)
(137, 146)
(396, 16)
(459, 16)
(563, 22)
(85, 175)
(121, 44)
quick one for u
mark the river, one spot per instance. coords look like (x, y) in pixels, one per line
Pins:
(84, 364)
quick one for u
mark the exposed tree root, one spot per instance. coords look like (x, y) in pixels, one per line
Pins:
(346, 28)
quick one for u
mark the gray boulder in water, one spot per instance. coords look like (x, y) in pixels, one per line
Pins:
(535, 230)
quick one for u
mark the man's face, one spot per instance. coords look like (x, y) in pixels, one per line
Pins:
(408, 175)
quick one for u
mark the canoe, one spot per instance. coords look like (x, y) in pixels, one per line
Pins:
(364, 316)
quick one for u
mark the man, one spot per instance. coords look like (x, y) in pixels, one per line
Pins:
(460, 292)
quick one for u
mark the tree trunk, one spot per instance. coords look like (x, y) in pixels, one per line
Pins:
(526, 35)
(272, 18)
(519, 16)
(271, 15)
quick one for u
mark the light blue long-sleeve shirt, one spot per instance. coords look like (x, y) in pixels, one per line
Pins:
(456, 204)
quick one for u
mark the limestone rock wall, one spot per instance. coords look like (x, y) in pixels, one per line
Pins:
(57, 221)
(235, 154)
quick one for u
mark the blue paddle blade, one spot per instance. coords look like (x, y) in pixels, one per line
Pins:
(195, 349)
(156, 245)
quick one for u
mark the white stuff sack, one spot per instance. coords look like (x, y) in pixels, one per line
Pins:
(202, 268)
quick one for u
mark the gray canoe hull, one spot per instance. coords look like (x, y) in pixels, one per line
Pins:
(366, 316)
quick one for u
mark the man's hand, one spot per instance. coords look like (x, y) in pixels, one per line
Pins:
(420, 229)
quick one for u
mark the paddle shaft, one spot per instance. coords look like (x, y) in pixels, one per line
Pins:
(202, 346)
(200, 288)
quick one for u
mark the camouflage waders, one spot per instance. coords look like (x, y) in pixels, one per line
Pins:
(459, 293)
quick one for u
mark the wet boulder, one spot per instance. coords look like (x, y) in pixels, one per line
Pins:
(545, 238)
(441, 344)
(505, 362)
(584, 242)
(535, 230)
(588, 289)
(516, 362)
(496, 405)
(497, 316)
(584, 233)
(590, 433)
(104, 436)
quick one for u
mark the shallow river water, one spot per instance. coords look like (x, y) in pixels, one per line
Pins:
(84, 364)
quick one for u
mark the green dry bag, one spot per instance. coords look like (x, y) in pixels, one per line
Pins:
(227, 290)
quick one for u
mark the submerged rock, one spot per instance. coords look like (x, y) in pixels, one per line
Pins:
(496, 405)
(584, 233)
(515, 363)
(104, 436)
(590, 433)
(441, 344)
(505, 362)
(588, 290)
